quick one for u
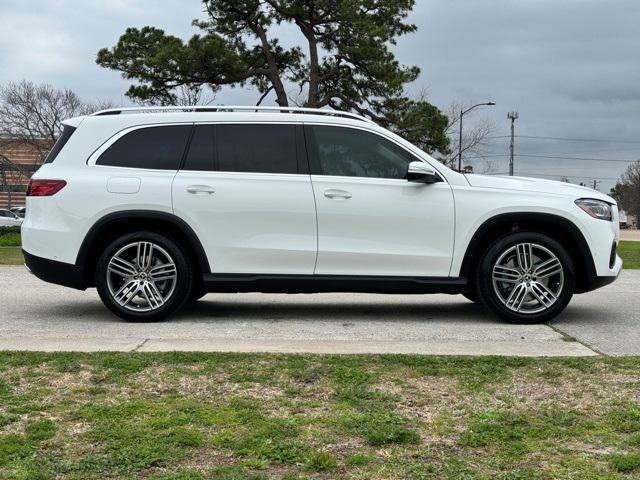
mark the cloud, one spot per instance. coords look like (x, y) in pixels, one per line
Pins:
(569, 67)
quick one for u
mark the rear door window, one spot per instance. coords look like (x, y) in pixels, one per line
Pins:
(252, 148)
(157, 148)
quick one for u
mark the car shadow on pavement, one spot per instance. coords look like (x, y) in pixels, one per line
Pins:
(212, 308)
(247, 307)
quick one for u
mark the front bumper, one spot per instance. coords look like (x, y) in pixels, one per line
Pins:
(597, 281)
(52, 271)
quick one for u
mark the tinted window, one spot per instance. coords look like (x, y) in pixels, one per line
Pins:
(158, 148)
(201, 150)
(350, 152)
(256, 148)
(243, 148)
(67, 131)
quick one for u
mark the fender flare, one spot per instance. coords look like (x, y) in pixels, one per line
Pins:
(584, 253)
(177, 222)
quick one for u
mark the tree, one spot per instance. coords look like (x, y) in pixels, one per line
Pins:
(346, 62)
(32, 114)
(627, 190)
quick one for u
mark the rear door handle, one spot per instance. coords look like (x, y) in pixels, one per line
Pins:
(200, 189)
(333, 193)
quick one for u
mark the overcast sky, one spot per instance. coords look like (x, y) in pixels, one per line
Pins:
(570, 68)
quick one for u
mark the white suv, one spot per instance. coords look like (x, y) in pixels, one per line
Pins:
(156, 207)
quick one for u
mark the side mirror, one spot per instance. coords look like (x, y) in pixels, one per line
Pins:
(422, 173)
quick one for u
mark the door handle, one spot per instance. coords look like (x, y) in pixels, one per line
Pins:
(200, 189)
(332, 193)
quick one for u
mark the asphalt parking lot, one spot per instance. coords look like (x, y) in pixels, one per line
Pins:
(39, 316)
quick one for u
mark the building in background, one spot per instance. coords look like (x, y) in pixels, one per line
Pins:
(18, 160)
(628, 221)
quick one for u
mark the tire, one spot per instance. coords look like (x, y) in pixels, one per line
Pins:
(197, 293)
(526, 291)
(472, 295)
(149, 293)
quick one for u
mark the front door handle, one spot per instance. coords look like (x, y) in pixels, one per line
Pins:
(200, 189)
(333, 193)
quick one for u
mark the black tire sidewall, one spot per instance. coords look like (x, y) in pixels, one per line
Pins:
(184, 281)
(485, 284)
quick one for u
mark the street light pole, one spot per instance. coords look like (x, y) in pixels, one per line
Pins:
(462, 112)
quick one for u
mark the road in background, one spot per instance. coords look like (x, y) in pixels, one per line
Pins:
(632, 235)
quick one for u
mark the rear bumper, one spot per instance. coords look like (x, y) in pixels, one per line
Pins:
(52, 271)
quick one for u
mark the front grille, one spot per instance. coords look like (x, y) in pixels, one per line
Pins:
(612, 258)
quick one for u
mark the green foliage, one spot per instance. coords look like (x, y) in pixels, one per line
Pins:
(10, 237)
(321, 462)
(256, 436)
(627, 190)
(358, 460)
(625, 417)
(8, 230)
(625, 463)
(10, 240)
(40, 430)
(345, 63)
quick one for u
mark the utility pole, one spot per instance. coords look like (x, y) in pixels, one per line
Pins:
(511, 116)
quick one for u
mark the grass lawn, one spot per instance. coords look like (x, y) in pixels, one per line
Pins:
(258, 416)
(630, 254)
(11, 256)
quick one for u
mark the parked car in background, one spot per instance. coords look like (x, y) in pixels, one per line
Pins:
(20, 211)
(156, 207)
(9, 219)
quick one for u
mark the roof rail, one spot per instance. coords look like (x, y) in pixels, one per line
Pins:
(225, 108)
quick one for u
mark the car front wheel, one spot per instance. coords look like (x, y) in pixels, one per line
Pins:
(526, 277)
(144, 277)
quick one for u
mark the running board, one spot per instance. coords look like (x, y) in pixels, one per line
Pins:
(232, 283)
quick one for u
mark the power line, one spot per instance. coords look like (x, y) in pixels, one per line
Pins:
(557, 157)
(557, 175)
(567, 139)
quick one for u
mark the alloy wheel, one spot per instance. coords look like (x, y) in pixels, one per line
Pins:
(141, 276)
(528, 278)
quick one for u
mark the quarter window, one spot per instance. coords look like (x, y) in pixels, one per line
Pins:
(258, 148)
(159, 148)
(64, 137)
(351, 152)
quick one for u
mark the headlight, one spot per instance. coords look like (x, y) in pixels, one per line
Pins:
(596, 208)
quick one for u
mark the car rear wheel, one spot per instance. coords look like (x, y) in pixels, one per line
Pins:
(472, 295)
(144, 277)
(526, 277)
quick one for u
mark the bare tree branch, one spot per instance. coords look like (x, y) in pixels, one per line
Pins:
(32, 115)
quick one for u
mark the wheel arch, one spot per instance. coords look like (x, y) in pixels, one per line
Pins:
(559, 228)
(113, 225)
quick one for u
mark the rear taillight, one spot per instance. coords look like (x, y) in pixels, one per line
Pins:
(44, 188)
